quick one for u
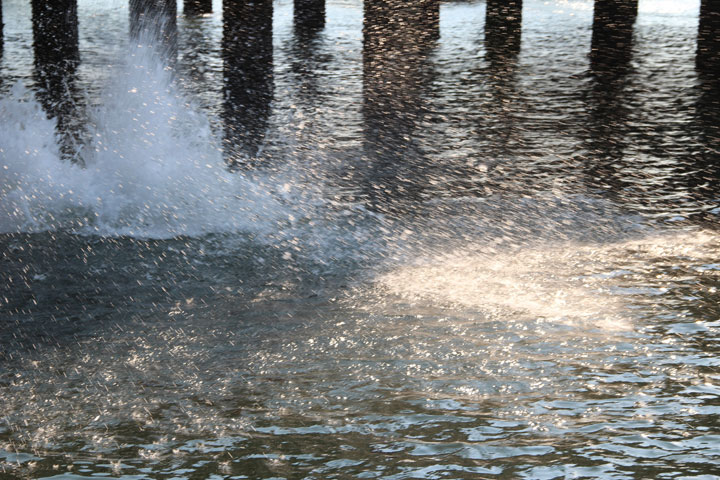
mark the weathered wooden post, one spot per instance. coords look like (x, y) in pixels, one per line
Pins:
(248, 74)
(397, 37)
(197, 7)
(155, 21)
(612, 36)
(309, 17)
(2, 38)
(57, 55)
(503, 31)
(708, 47)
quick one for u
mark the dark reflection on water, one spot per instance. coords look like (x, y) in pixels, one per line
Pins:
(481, 253)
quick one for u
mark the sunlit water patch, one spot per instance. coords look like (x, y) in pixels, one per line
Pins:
(565, 281)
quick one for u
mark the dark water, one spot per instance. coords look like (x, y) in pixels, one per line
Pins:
(479, 271)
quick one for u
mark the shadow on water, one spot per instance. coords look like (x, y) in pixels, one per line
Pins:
(103, 288)
(608, 102)
(498, 126)
(609, 105)
(308, 19)
(664, 170)
(200, 60)
(309, 61)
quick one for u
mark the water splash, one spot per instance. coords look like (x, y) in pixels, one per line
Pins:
(153, 167)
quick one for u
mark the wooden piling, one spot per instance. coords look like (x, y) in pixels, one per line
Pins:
(708, 45)
(197, 7)
(248, 74)
(503, 30)
(2, 25)
(56, 57)
(612, 35)
(309, 17)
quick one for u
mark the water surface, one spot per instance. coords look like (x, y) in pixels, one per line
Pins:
(515, 278)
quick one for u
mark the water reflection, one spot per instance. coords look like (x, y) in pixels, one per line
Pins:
(704, 179)
(503, 32)
(197, 7)
(309, 18)
(309, 62)
(608, 130)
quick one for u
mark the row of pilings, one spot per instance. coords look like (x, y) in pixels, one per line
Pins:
(397, 36)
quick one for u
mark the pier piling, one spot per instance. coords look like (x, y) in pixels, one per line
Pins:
(503, 30)
(708, 46)
(248, 74)
(612, 35)
(197, 7)
(57, 56)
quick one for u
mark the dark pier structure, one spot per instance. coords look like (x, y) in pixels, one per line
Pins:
(503, 31)
(612, 35)
(708, 49)
(2, 33)
(248, 73)
(309, 17)
(57, 56)
(197, 7)
(397, 36)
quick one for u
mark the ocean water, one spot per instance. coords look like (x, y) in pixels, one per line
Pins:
(508, 273)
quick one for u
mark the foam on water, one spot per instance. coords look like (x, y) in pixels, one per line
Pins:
(153, 167)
